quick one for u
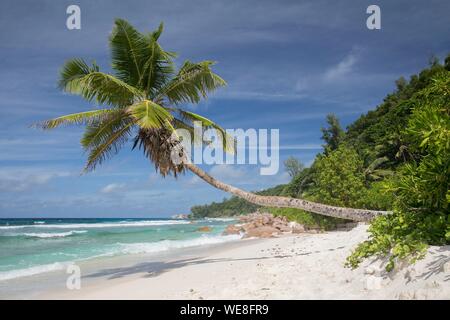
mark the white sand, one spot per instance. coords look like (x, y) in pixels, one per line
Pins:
(304, 266)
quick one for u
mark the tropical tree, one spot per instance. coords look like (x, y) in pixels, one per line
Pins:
(333, 135)
(142, 101)
(293, 166)
(339, 178)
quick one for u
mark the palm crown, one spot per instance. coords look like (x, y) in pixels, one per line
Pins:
(140, 100)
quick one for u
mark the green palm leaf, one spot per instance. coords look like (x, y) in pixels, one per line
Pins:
(112, 145)
(84, 118)
(180, 124)
(100, 131)
(193, 82)
(78, 78)
(157, 33)
(228, 142)
(158, 68)
(376, 163)
(128, 48)
(149, 115)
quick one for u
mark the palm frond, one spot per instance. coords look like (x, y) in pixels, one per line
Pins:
(228, 142)
(158, 69)
(373, 172)
(112, 145)
(99, 132)
(78, 78)
(157, 33)
(180, 124)
(128, 47)
(149, 115)
(193, 82)
(376, 163)
(81, 118)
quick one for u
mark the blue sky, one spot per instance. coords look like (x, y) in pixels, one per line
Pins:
(287, 64)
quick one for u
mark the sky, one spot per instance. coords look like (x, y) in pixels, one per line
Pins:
(287, 64)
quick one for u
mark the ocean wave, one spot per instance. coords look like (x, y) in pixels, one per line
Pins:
(31, 271)
(221, 219)
(39, 222)
(100, 224)
(52, 235)
(165, 245)
(122, 248)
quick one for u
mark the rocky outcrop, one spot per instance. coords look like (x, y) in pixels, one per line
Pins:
(264, 225)
(261, 232)
(297, 227)
(204, 229)
(232, 229)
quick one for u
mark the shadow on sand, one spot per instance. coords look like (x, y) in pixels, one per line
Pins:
(155, 268)
(437, 265)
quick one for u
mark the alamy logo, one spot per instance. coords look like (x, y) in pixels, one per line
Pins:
(74, 280)
(73, 21)
(374, 20)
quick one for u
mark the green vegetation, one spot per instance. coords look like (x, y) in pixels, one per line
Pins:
(396, 157)
(308, 219)
(333, 135)
(293, 166)
(421, 186)
(339, 178)
(231, 207)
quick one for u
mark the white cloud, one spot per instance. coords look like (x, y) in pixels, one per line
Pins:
(346, 82)
(343, 68)
(24, 180)
(330, 76)
(113, 188)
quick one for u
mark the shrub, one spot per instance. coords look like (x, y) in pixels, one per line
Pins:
(421, 187)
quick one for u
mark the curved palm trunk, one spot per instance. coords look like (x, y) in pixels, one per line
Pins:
(285, 202)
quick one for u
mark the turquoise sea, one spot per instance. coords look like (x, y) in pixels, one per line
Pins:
(33, 246)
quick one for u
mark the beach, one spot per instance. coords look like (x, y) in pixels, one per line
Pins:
(293, 266)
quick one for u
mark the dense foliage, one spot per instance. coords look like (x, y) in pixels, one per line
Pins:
(421, 186)
(333, 134)
(293, 166)
(339, 178)
(232, 206)
(396, 157)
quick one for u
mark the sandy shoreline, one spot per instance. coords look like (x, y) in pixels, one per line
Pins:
(302, 266)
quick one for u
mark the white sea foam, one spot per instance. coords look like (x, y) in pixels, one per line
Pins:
(52, 235)
(124, 248)
(8, 275)
(221, 219)
(165, 245)
(39, 222)
(101, 224)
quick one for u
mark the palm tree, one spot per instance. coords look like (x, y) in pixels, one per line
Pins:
(142, 101)
(373, 171)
